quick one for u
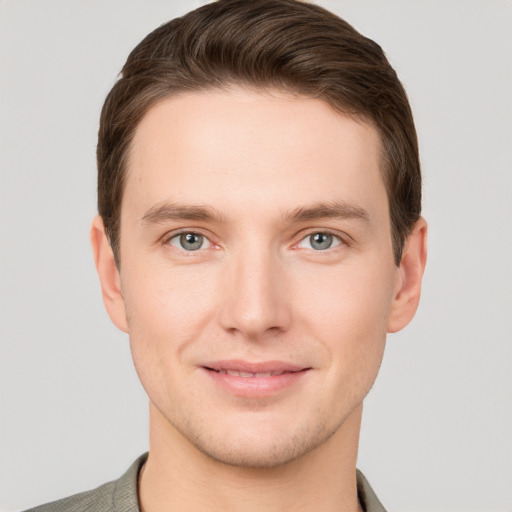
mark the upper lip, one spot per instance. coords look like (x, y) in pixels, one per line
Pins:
(268, 367)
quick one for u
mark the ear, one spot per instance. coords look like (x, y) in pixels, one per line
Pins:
(109, 274)
(409, 276)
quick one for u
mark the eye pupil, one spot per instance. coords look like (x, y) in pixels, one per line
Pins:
(321, 241)
(191, 241)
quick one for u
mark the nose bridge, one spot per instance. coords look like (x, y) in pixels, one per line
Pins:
(255, 302)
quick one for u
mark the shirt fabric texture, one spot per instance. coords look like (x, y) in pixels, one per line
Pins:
(121, 495)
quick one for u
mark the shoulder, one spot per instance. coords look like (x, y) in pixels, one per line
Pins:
(100, 500)
(116, 496)
(367, 496)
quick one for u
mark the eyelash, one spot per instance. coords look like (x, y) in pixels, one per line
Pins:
(341, 241)
(175, 235)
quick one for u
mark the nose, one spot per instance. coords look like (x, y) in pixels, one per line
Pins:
(255, 302)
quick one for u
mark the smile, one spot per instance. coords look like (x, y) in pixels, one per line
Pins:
(255, 380)
(238, 373)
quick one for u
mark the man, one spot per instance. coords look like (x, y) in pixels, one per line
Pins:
(259, 233)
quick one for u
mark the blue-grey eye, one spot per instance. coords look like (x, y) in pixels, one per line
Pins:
(320, 241)
(189, 241)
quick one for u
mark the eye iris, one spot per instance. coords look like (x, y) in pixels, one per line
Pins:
(191, 241)
(321, 241)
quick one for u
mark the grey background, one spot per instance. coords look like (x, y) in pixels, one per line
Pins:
(438, 423)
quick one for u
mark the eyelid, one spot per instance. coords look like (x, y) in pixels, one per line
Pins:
(165, 239)
(342, 237)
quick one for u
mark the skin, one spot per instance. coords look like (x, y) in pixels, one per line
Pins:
(255, 174)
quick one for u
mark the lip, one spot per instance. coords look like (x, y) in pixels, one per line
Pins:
(254, 379)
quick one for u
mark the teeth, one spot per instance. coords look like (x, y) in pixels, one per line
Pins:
(237, 373)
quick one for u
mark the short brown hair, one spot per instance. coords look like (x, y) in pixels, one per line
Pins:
(280, 44)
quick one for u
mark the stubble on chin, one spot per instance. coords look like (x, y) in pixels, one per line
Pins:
(267, 452)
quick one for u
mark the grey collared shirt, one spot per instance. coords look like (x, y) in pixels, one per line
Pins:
(121, 495)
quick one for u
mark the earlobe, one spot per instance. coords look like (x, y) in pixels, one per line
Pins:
(109, 274)
(410, 274)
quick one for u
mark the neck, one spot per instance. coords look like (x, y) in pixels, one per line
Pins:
(179, 477)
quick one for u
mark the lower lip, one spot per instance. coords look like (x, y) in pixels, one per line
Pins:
(256, 387)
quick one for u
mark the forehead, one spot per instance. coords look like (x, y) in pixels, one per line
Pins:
(249, 147)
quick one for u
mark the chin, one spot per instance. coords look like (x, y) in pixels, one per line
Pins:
(260, 450)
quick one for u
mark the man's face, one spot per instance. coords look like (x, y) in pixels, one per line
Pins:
(257, 271)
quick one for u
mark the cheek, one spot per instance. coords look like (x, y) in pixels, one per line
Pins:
(163, 319)
(167, 310)
(347, 310)
(354, 298)
(159, 297)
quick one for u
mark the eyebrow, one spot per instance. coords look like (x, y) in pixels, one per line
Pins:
(167, 211)
(331, 210)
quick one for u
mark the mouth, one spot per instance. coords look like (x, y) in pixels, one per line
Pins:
(245, 379)
(240, 373)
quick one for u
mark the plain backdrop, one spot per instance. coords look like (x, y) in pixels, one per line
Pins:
(437, 433)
